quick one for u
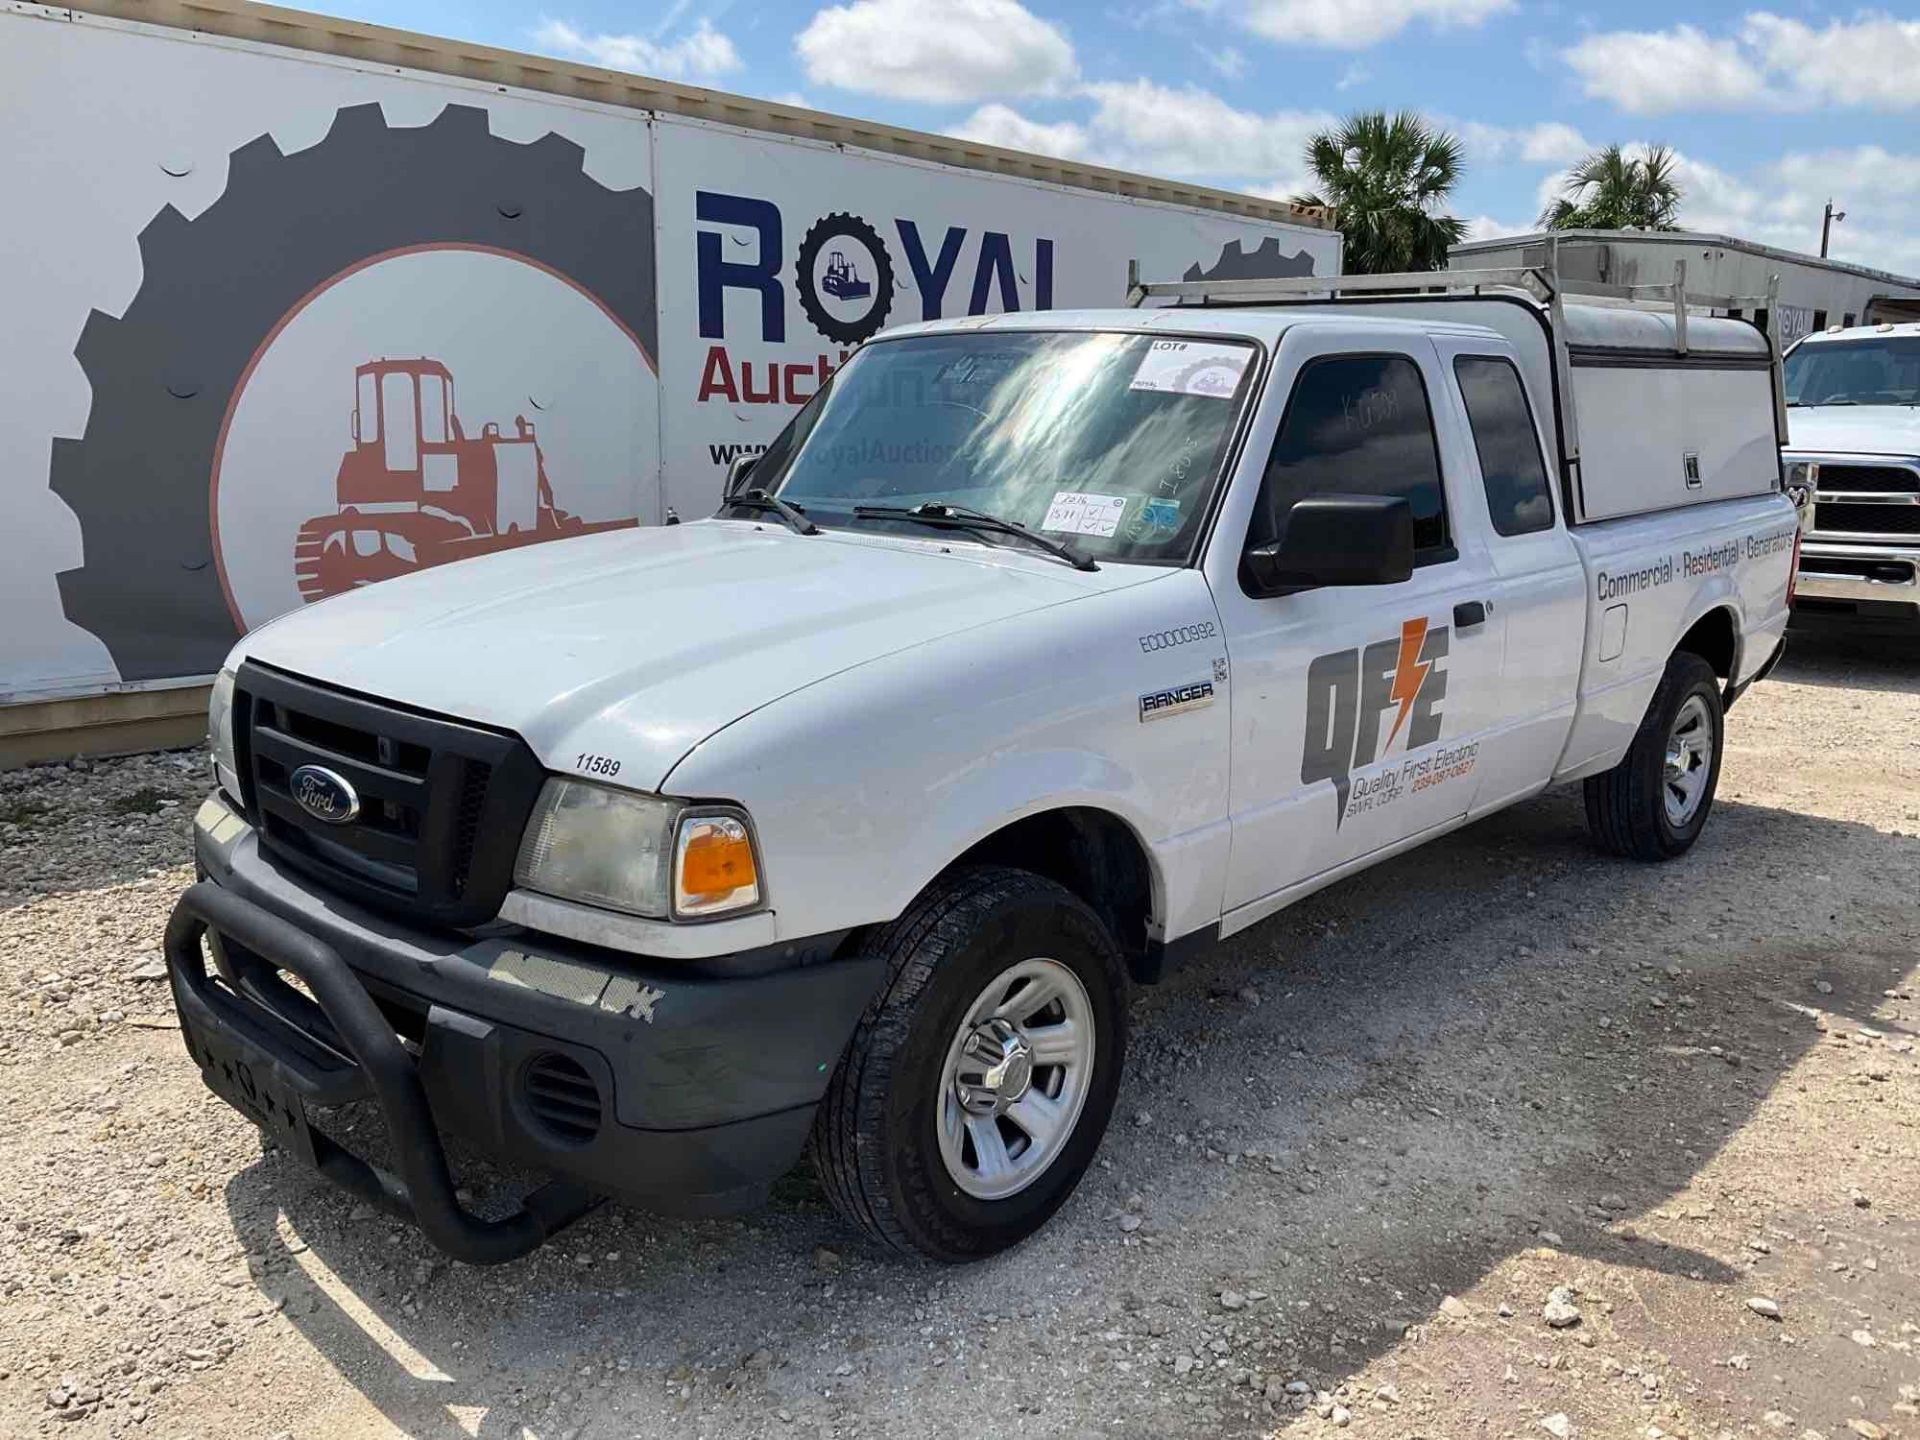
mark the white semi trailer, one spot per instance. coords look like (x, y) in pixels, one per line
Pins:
(298, 304)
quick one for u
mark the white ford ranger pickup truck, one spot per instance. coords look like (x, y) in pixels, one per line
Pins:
(1853, 439)
(1039, 652)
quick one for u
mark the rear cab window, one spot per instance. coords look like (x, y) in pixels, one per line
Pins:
(1519, 500)
(1357, 425)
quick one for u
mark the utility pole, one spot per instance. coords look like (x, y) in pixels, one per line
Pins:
(1826, 226)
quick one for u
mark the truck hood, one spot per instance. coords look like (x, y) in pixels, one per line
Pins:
(1855, 429)
(635, 645)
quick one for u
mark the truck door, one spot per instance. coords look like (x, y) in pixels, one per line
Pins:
(1538, 595)
(1359, 711)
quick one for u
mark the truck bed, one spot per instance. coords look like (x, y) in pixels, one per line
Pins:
(1650, 579)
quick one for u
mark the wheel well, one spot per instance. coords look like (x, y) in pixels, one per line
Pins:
(1714, 640)
(1096, 855)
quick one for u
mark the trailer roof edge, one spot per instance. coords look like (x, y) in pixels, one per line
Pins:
(379, 44)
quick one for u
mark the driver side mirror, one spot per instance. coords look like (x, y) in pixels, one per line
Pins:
(1334, 540)
(737, 474)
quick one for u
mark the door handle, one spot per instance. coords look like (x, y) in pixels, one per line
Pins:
(1469, 613)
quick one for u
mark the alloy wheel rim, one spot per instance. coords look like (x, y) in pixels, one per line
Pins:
(1017, 1074)
(1689, 760)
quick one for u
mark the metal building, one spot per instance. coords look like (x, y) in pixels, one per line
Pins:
(1814, 293)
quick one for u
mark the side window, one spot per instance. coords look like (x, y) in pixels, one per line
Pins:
(1518, 497)
(1357, 425)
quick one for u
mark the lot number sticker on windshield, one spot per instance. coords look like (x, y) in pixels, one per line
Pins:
(1192, 367)
(1074, 513)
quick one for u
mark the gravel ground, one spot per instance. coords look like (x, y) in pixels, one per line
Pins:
(1501, 1138)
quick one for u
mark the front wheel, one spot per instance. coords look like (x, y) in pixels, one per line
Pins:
(1654, 803)
(980, 1080)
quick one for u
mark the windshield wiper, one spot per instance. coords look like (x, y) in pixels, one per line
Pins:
(793, 516)
(963, 517)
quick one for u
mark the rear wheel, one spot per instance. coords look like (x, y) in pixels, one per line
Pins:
(1654, 803)
(980, 1080)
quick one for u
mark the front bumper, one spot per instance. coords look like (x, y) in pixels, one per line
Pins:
(679, 1085)
(1872, 575)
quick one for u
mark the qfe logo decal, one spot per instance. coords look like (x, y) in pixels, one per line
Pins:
(1350, 694)
(844, 279)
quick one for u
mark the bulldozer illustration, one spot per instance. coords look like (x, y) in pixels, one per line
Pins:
(416, 490)
(841, 280)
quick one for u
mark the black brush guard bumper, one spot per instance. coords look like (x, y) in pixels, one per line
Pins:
(271, 1070)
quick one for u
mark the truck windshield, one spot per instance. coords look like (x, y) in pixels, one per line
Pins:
(1109, 441)
(1881, 371)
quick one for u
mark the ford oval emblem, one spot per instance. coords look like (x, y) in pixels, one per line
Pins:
(325, 794)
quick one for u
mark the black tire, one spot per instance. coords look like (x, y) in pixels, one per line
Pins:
(1626, 806)
(214, 287)
(875, 1140)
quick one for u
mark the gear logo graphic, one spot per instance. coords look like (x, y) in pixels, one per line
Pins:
(207, 446)
(1263, 262)
(844, 277)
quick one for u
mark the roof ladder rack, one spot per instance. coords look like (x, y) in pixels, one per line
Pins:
(1542, 285)
(1541, 282)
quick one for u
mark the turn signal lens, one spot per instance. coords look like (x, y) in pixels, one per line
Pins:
(713, 867)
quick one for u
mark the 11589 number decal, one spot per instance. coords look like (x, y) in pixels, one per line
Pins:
(596, 764)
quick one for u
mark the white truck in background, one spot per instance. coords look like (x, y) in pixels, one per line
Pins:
(1853, 441)
(1038, 653)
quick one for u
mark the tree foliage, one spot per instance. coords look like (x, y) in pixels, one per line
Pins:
(1387, 176)
(1614, 190)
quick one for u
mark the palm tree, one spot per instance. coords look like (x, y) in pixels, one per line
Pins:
(1386, 175)
(1613, 190)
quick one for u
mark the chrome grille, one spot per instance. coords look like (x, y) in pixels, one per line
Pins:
(1868, 479)
(1864, 518)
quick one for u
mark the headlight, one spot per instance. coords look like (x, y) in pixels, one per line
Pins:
(638, 853)
(226, 770)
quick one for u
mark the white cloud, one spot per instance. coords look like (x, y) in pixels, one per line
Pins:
(703, 53)
(1193, 132)
(1651, 72)
(1869, 172)
(1485, 227)
(948, 51)
(1872, 60)
(1772, 61)
(1552, 143)
(1548, 143)
(1349, 24)
(1552, 187)
(1354, 74)
(1004, 126)
(1186, 134)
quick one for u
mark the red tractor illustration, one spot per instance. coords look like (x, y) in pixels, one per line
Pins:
(416, 490)
(842, 281)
